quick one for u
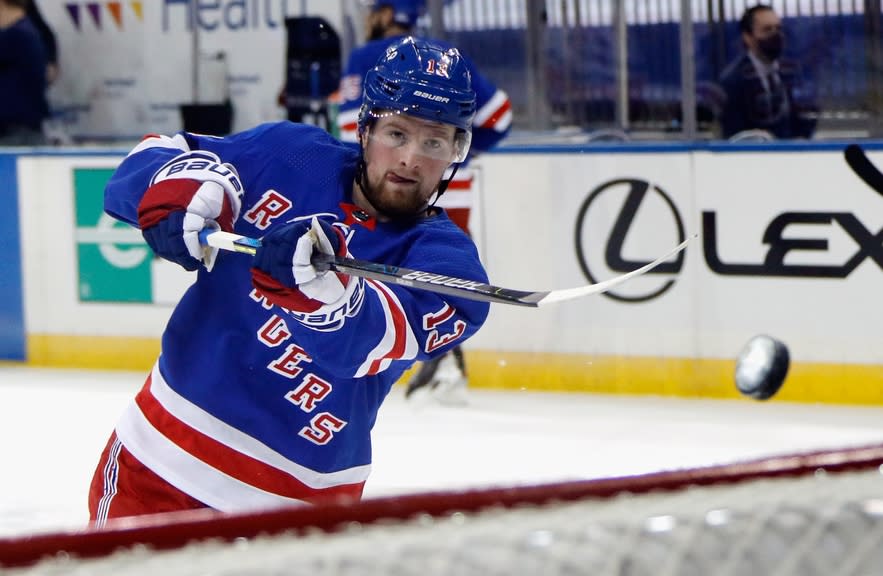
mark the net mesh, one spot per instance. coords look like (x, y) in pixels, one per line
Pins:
(805, 515)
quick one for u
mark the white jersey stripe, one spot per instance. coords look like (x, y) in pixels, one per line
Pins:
(347, 124)
(455, 199)
(396, 333)
(198, 419)
(176, 142)
(503, 121)
(197, 478)
(187, 473)
(111, 476)
(497, 101)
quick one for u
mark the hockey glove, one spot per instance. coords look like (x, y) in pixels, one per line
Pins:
(284, 274)
(192, 191)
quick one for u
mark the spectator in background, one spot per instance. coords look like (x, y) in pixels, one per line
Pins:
(49, 43)
(23, 104)
(761, 88)
(387, 23)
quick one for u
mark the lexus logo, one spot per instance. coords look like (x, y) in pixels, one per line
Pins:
(604, 247)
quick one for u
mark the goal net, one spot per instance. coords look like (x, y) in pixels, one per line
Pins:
(805, 514)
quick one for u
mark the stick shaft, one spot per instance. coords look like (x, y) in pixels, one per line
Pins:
(439, 283)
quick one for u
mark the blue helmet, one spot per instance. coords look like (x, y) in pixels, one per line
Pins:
(424, 80)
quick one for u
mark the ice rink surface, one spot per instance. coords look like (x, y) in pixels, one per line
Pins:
(54, 424)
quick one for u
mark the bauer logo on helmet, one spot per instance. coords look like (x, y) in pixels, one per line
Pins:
(433, 97)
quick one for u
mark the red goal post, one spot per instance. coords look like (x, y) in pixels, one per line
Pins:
(806, 514)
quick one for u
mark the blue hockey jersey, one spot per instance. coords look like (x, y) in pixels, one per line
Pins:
(250, 406)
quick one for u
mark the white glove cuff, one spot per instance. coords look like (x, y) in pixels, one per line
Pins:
(332, 316)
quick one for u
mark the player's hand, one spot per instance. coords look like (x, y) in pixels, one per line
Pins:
(283, 271)
(194, 190)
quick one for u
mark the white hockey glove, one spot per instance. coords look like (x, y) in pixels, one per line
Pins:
(284, 274)
(192, 191)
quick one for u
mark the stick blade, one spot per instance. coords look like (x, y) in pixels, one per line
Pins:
(600, 287)
(863, 167)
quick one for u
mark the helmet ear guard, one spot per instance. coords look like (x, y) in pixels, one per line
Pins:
(423, 80)
(463, 141)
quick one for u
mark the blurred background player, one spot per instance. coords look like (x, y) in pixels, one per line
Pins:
(272, 372)
(387, 23)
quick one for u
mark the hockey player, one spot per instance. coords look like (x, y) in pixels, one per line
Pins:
(388, 22)
(271, 374)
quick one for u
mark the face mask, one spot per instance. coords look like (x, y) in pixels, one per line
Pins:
(771, 47)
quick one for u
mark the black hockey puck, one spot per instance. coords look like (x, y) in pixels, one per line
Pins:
(761, 367)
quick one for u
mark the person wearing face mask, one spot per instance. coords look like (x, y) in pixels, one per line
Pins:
(763, 91)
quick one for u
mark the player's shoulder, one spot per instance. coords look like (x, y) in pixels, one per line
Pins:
(437, 229)
(23, 34)
(293, 135)
(737, 69)
(291, 145)
(377, 46)
(366, 56)
(286, 129)
(439, 237)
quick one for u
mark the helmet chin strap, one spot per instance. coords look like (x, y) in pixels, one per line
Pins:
(443, 185)
(362, 180)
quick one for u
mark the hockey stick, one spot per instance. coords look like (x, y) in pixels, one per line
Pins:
(863, 168)
(437, 282)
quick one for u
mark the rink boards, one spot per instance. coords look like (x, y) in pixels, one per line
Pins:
(790, 244)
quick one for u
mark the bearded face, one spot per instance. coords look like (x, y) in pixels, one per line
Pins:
(378, 22)
(405, 158)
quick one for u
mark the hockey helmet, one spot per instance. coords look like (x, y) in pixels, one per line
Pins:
(425, 80)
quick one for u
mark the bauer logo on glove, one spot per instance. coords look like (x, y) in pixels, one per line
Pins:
(283, 272)
(193, 191)
(201, 166)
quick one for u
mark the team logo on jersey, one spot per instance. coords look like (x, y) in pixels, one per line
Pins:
(271, 206)
(352, 214)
